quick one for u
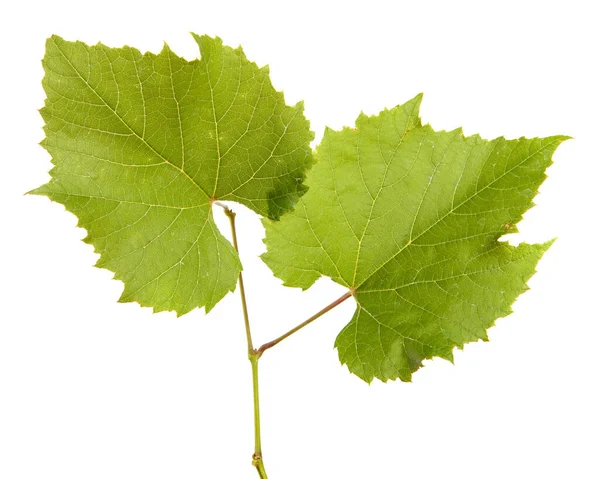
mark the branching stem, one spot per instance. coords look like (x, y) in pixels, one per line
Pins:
(255, 354)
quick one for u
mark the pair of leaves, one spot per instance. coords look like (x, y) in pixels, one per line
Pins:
(405, 217)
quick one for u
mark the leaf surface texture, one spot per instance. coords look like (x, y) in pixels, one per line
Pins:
(408, 218)
(143, 144)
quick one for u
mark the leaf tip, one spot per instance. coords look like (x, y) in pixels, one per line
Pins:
(40, 191)
(547, 244)
(54, 39)
(416, 100)
(166, 48)
(362, 116)
(206, 44)
(123, 298)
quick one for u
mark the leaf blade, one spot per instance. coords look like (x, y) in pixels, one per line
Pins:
(423, 205)
(135, 141)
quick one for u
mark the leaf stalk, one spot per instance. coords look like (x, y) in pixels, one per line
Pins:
(327, 308)
(231, 215)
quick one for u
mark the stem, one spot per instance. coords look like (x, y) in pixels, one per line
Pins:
(329, 307)
(257, 460)
(253, 356)
(231, 215)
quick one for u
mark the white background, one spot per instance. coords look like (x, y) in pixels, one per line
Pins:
(90, 388)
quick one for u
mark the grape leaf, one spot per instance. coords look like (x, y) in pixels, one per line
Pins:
(408, 219)
(144, 144)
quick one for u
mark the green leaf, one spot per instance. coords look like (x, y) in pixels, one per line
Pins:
(144, 144)
(408, 219)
